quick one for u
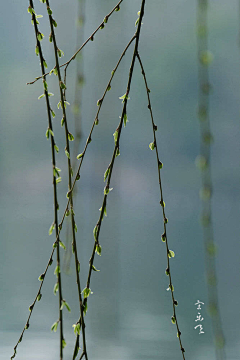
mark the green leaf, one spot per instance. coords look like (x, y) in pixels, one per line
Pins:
(76, 328)
(64, 344)
(41, 277)
(56, 171)
(50, 94)
(98, 249)
(57, 270)
(55, 71)
(51, 132)
(67, 153)
(125, 119)
(30, 10)
(70, 137)
(66, 103)
(104, 211)
(117, 152)
(37, 50)
(40, 36)
(64, 303)
(45, 85)
(106, 173)
(55, 25)
(171, 253)
(39, 16)
(62, 85)
(95, 231)
(56, 148)
(152, 146)
(75, 227)
(60, 53)
(53, 114)
(62, 245)
(79, 156)
(107, 190)
(41, 96)
(93, 267)
(52, 227)
(54, 326)
(115, 136)
(55, 289)
(45, 64)
(62, 121)
(49, 11)
(86, 292)
(124, 98)
(99, 102)
(59, 104)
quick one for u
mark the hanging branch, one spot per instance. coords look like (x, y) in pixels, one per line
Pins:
(38, 50)
(170, 253)
(203, 162)
(91, 38)
(68, 137)
(108, 173)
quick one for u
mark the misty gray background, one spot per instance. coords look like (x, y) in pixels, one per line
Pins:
(129, 313)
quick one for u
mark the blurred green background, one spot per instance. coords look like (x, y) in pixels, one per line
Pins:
(129, 313)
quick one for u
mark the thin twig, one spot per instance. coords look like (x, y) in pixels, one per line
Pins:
(165, 221)
(91, 38)
(51, 134)
(108, 173)
(67, 150)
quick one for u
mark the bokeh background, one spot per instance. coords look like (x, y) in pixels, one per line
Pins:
(130, 311)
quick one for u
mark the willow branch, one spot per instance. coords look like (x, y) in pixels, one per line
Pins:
(68, 136)
(165, 221)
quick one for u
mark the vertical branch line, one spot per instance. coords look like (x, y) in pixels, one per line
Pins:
(203, 162)
(56, 206)
(97, 247)
(170, 253)
(69, 137)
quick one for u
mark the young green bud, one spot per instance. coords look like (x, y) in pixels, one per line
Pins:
(102, 26)
(173, 319)
(171, 253)
(164, 237)
(167, 271)
(152, 146)
(39, 297)
(49, 11)
(160, 164)
(41, 277)
(54, 23)
(37, 50)
(98, 250)
(50, 38)
(70, 137)
(175, 302)
(86, 292)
